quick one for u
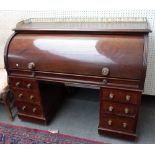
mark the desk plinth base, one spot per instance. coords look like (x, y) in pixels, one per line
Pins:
(34, 119)
(117, 134)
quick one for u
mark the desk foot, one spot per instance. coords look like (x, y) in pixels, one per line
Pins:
(117, 134)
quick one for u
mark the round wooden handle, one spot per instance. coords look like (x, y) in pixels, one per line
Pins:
(105, 71)
(126, 110)
(104, 81)
(111, 108)
(111, 96)
(34, 110)
(31, 97)
(31, 65)
(17, 84)
(110, 122)
(128, 97)
(29, 85)
(20, 95)
(124, 125)
(24, 108)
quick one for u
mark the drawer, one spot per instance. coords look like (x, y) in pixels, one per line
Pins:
(29, 109)
(16, 82)
(118, 123)
(33, 97)
(23, 83)
(128, 110)
(121, 96)
(19, 95)
(26, 96)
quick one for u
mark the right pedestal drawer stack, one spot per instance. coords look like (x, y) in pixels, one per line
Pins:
(119, 112)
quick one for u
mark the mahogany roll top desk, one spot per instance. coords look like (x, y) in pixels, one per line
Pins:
(42, 57)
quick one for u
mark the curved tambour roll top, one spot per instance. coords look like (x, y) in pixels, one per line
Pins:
(112, 49)
(115, 56)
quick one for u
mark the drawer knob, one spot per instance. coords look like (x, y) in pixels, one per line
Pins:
(104, 81)
(31, 65)
(17, 65)
(17, 84)
(34, 110)
(24, 108)
(105, 71)
(111, 108)
(31, 97)
(128, 97)
(124, 125)
(20, 95)
(29, 85)
(111, 96)
(126, 110)
(109, 122)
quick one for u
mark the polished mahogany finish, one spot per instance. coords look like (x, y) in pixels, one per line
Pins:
(92, 52)
(41, 58)
(121, 96)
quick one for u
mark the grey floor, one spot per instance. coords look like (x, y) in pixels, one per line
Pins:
(79, 117)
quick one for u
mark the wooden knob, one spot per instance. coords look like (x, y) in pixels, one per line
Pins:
(20, 95)
(111, 96)
(105, 71)
(128, 97)
(124, 125)
(109, 122)
(31, 97)
(17, 84)
(126, 110)
(31, 65)
(17, 65)
(111, 108)
(29, 85)
(104, 81)
(24, 108)
(34, 110)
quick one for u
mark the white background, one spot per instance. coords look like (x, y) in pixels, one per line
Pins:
(75, 4)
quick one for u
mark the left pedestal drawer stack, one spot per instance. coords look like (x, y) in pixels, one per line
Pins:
(27, 98)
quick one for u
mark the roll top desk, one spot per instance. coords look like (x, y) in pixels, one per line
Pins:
(41, 57)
